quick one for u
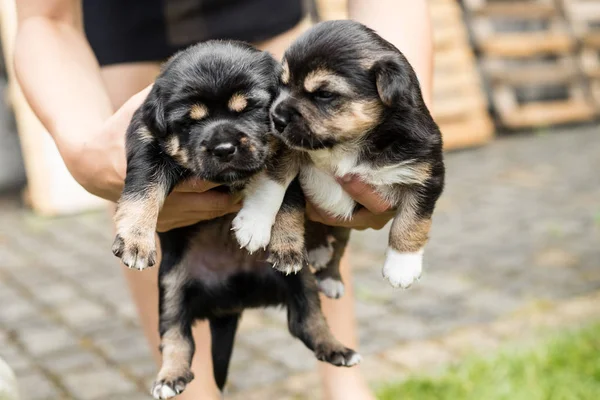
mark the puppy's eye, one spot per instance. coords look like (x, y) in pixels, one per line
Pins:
(323, 95)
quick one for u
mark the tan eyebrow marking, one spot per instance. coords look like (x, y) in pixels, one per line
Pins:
(198, 111)
(237, 102)
(321, 77)
(285, 74)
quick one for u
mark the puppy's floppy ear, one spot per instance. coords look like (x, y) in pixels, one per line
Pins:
(395, 80)
(153, 113)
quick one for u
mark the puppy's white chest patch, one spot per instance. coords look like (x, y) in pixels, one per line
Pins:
(323, 190)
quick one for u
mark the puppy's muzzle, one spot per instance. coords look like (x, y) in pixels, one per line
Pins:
(224, 151)
(282, 115)
(223, 142)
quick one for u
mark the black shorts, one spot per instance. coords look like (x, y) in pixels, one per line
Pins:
(121, 31)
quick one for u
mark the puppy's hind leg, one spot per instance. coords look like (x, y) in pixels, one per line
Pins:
(177, 343)
(307, 322)
(329, 278)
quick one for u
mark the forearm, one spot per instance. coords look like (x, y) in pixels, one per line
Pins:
(61, 80)
(407, 25)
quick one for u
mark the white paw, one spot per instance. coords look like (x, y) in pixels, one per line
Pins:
(319, 257)
(402, 269)
(252, 230)
(162, 390)
(354, 360)
(332, 288)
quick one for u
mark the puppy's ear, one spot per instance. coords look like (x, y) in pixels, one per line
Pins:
(396, 81)
(274, 70)
(153, 113)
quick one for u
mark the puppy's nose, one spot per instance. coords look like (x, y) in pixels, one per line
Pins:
(281, 117)
(224, 151)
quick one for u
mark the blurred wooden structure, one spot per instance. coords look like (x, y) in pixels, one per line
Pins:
(584, 18)
(51, 190)
(528, 56)
(459, 102)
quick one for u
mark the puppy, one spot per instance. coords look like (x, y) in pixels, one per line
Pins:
(207, 116)
(351, 105)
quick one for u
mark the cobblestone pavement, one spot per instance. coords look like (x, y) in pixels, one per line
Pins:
(517, 227)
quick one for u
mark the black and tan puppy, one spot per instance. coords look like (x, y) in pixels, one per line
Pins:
(352, 105)
(207, 116)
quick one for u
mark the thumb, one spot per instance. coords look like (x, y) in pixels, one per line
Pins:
(364, 194)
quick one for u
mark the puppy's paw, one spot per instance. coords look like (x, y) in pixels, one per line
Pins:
(252, 230)
(330, 287)
(337, 355)
(135, 251)
(402, 269)
(319, 257)
(170, 386)
(288, 261)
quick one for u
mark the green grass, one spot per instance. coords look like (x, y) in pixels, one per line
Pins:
(563, 367)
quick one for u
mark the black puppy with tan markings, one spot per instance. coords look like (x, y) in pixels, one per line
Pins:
(351, 105)
(207, 116)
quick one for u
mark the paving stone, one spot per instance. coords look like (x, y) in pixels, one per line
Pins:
(241, 355)
(35, 386)
(261, 373)
(16, 310)
(78, 359)
(418, 355)
(265, 337)
(295, 356)
(373, 341)
(143, 368)
(399, 327)
(82, 313)
(125, 349)
(470, 341)
(41, 342)
(56, 294)
(16, 358)
(99, 384)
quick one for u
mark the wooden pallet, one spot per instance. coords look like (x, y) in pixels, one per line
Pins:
(584, 19)
(460, 106)
(526, 47)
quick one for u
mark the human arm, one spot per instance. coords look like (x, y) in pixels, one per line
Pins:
(60, 78)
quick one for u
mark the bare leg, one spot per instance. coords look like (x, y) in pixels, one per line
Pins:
(343, 383)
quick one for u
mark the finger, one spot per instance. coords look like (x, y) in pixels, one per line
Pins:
(364, 194)
(195, 185)
(191, 218)
(198, 202)
(365, 219)
(313, 214)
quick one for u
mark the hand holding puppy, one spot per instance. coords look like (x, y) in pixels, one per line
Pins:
(375, 214)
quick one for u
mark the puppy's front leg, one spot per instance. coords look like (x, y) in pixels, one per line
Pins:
(149, 179)
(287, 250)
(409, 234)
(262, 200)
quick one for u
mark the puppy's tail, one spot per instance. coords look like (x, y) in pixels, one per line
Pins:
(222, 330)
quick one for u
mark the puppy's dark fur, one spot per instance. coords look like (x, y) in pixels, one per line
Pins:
(351, 104)
(207, 117)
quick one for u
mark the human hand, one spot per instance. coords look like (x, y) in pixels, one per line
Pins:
(100, 166)
(377, 212)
